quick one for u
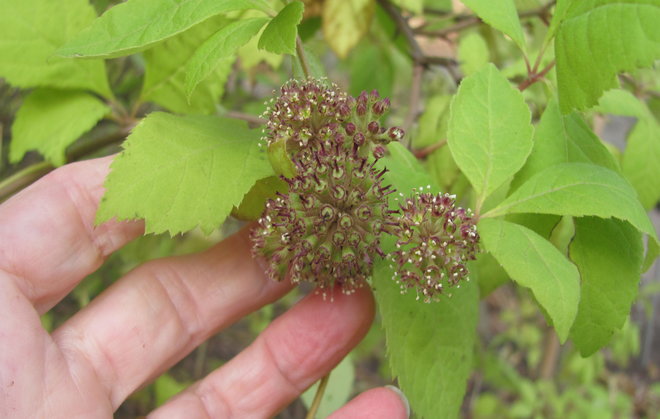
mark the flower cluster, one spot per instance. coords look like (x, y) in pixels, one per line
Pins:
(327, 228)
(436, 239)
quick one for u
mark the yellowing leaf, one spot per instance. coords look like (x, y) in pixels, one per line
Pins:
(345, 22)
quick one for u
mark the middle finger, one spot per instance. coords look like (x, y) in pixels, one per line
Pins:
(158, 313)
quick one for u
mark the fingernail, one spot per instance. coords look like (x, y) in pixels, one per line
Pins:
(402, 397)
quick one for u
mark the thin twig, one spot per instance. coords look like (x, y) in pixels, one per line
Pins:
(311, 413)
(300, 50)
(415, 50)
(467, 21)
(253, 119)
(415, 96)
(425, 151)
(551, 348)
(30, 174)
(534, 77)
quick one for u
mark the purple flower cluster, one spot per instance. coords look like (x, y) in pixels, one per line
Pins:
(435, 240)
(327, 228)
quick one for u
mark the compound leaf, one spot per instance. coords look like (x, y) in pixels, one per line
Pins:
(598, 39)
(279, 36)
(501, 15)
(490, 134)
(608, 254)
(578, 189)
(223, 44)
(180, 172)
(345, 22)
(535, 263)
(50, 120)
(430, 346)
(31, 31)
(136, 25)
(165, 72)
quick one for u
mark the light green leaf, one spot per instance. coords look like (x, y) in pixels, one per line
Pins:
(430, 346)
(405, 172)
(250, 55)
(165, 72)
(535, 263)
(166, 387)
(608, 254)
(279, 36)
(490, 134)
(338, 390)
(558, 15)
(135, 25)
(641, 161)
(345, 22)
(364, 58)
(641, 158)
(50, 120)
(223, 44)
(578, 189)
(31, 31)
(501, 15)
(473, 53)
(563, 139)
(597, 40)
(180, 172)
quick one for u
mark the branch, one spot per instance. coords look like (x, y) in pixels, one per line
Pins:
(425, 151)
(467, 21)
(300, 50)
(534, 77)
(253, 119)
(30, 174)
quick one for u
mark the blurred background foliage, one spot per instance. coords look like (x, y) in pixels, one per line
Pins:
(522, 371)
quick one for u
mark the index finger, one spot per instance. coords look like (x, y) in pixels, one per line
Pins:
(49, 240)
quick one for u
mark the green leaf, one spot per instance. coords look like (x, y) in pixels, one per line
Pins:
(578, 189)
(563, 139)
(535, 263)
(641, 161)
(597, 40)
(362, 77)
(180, 172)
(135, 25)
(415, 6)
(405, 172)
(31, 31)
(338, 390)
(279, 37)
(50, 120)
(166, 387)
(608, 254)
(473, 53)
(223, 44)
(641, 158)
(490, 134)
(430, 346)
(345, 22)
(501, 15)
(165, 72)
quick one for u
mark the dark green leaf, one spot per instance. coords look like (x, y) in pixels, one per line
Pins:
(608, 254)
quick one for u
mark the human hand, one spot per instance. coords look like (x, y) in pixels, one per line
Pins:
(152, 317)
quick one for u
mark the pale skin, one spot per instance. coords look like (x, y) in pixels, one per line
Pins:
(153, 317)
